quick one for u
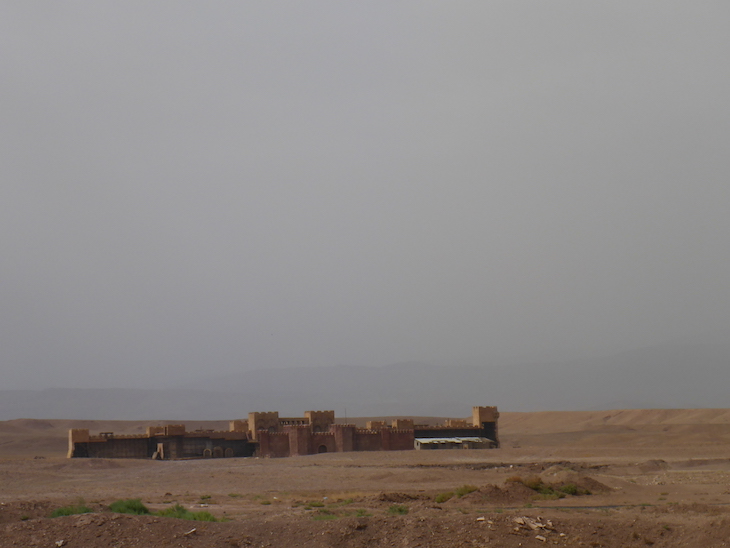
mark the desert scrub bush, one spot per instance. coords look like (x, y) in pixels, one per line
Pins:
(443, 497)
(514, 479)
(316, 504)
(340, 502)
(71, 511)
(180, 512)
(324, 514)
(551, 492)
(129, 506)
(398, 509)
(573, 489)
(465, 490)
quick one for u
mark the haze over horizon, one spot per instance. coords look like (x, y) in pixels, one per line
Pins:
(204, 189)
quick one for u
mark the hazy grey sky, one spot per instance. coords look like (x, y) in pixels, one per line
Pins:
(193, 188)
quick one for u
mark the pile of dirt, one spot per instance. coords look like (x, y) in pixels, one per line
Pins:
(509, 494)
(561, 475)
(400, 498)
(654, 465)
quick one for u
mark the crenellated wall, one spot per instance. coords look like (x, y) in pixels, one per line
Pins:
(320, 421)
(163, 442)
(268, 435)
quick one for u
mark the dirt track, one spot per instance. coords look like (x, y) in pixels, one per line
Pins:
(655, 481)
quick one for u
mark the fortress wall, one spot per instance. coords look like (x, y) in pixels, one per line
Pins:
(367, 440)
(120, 448)
(344, 437)
(400, 440)
(300, 438)
(273, 444)
(192, 447)
(323, 439)
(200, 447)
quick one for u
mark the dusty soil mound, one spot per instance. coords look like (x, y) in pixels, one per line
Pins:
(654, 465)
(559, 475)
(400, 497)
(509, 494)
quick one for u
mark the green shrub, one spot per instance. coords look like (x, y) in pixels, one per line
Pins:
(569, 489)
(324, 514)
(180, 512)
(465, 490)
(316, 504)
(398, 509)
(552, 495)
(443, 497)
(129, 506)
(70, 511)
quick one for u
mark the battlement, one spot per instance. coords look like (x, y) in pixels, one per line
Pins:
(174, 430)
(320, 421)
(105, 436)
(238, 425)
(481, 415)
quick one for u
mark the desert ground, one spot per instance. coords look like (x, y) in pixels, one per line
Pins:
(633, 478)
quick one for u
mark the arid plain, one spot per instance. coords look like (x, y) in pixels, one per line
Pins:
(655, 478)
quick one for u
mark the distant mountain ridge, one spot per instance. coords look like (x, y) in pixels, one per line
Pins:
(668, 376)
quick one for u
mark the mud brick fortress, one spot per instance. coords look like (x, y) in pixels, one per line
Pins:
(269, 435)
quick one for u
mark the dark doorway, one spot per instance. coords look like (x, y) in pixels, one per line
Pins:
(322, 449)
